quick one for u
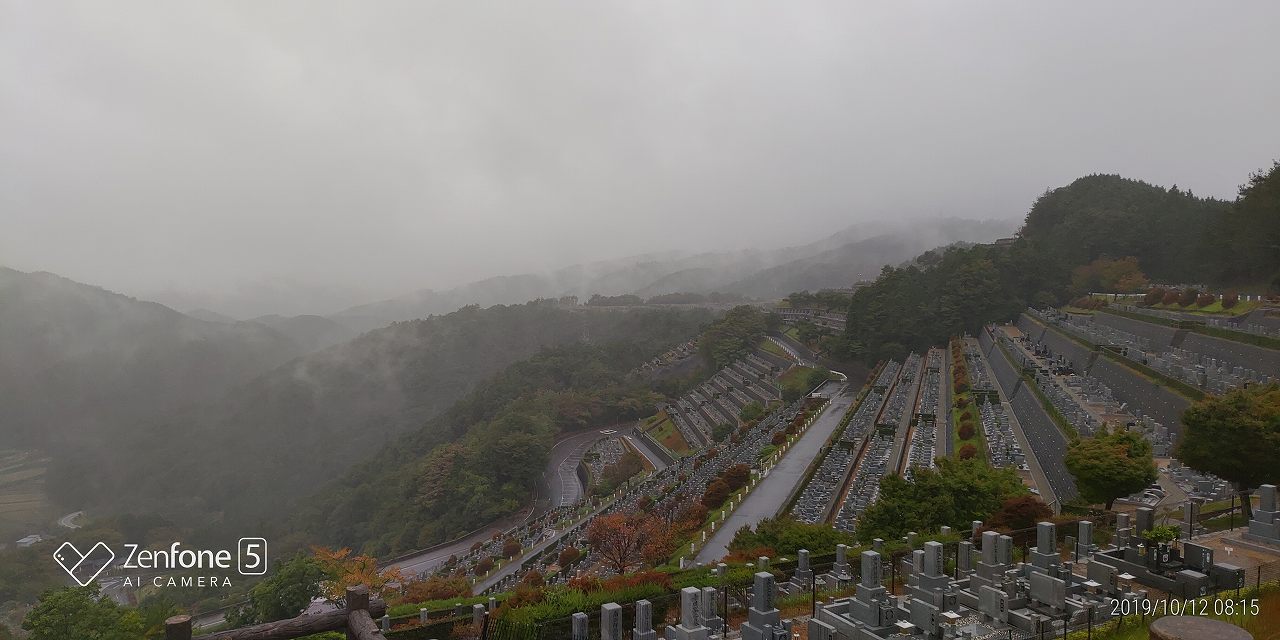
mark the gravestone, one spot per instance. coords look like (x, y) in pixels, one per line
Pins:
(690, 626)
(644, 622)
(1124, 530)
(803, 575)
(762, 616)
(1049, 591)
(579, 626)
(1264, 526)
(1084, 540)
(710, 610)
(933, 563)
(1045, 555)
(1197, 556)
(993, 603)
(964, 557)
(1004, 550)
(989, 547)
(840, 571)
(1144, 519)
(477, 614)
(610, 621)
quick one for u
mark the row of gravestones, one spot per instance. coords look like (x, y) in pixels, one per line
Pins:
(988, 592)
(699, 617)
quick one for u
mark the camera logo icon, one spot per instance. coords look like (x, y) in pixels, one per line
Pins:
(70, 559)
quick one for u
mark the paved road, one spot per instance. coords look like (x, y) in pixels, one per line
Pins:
(771, 494)
(431, 559)
(561, 484)
(789, 348)
(68, 520)
(645, 450)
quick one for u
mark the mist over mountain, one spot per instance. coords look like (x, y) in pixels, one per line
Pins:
(292, 428)
(312, 333)
(81, 364)
(836, 260)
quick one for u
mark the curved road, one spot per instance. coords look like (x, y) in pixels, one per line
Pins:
(560, 487)
(561, 484)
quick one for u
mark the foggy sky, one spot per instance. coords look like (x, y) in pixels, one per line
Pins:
(357, 150)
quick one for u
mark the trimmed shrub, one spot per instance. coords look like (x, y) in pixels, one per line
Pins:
(968, 451)
(715, 495)
(736, 476)
(966, 431)
(1188, 297)
(1170, 297)
(1230, 299)
(1154, 296)
(510, 548)
(1205, 299)
(567, 556)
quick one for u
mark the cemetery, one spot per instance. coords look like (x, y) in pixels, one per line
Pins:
(721, 398)
(821, 495)
(1084, 401)
(983, 586)
(1047, 442)
(1182, 360)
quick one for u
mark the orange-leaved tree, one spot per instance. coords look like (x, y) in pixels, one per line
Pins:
(351, 570)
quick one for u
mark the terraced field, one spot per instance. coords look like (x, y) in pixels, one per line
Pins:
(24, 505)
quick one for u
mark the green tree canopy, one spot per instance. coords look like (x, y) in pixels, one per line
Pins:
(751, 411)
(955, 494)
(284, 594)
(734, 336)
(1235, 436)
(1110, 465)
(81, 613)
(786, 536)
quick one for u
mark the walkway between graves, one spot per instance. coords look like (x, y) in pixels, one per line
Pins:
(771, 494)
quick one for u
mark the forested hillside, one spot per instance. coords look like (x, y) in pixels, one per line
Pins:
(484, 457)
(83, 365)
(1175, 237)
(251, 454)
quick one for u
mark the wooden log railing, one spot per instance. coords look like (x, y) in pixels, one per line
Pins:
(357, 619)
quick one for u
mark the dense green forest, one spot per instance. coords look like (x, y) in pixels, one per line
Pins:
(736, 334)
(426, 487)
(299, 426)
(1175, 236)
